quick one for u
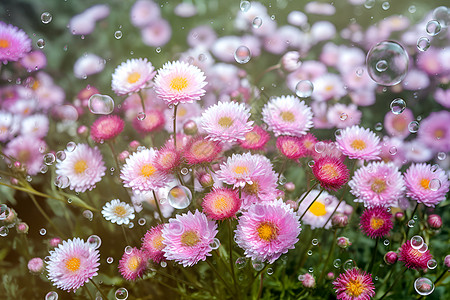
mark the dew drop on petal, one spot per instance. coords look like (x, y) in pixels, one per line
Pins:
(71, 146)
(319, 147)
(101, 104)
(393, 150)
(423, 286)
(435, 184)
(179, 197)
(441, 155)
(304, 89)
(60, 155)
(62, 181)
(242, 55)
(141, 116)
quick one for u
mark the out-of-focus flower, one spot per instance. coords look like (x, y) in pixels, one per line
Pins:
(144, 12)
(14, 43)
(36, 265)
(88, 64)
(343, 242)
(28, 151)
(435, 132)
(157, 33)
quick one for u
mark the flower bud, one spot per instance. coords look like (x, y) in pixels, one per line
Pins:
(390, 257)
(55, 241)
(123, 155)
(134, 145)
(291, 61)
(343, 242)
(307, 280)
(400, 216)
(339, 220)
(36, 265)
(206, 180)
(447, 261)
(434, 221)
(83, 131)
(22, 227)
(289, 186)
(292, 204)
(330, 275)
(190, 128)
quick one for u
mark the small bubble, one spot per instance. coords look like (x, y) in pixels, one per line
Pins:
(381, 66)
(241, 262)
(417, 242)
(378, 126)
(393, 150)
(257, 22)
(343, 116)
(142, 221)
(349, 264)
(337, 263)
(413, 126)
(101, 104)
(60, 155)
(40, 43)
(158, 50)
(423, 286)
(386, 242)
(46, 17)
(434, 184)
(269, 271)
(257, 265)
(369, 4)
(51, 296)
(385, 5)
(433, 27)
(423, 44)
(215, 244)
(412, 9)
(94, 241)
(411, 223)
(441, 155)
(272, 17)
(301, 277)
(311, 163)
(62, 181)
(315, 242)
(4, 231)
(184, 171)
(88, 214)
(110, 260)
(49, 159)
(71, 146)
(131, 225)
(42, 231)
(4, 212)
(245, 5)
(398, 106)
(242, 55)
(141, 116)
(309, 252)
(359, 72)
(304, 89)
(163, 264)
(118, 34)
(311, 269)
(128, 249)
(432, 264)
(121, 293)
(282, 180)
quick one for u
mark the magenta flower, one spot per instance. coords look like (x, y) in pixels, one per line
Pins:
(133, 264)
(14, 43)
(414, 258)
(106, 128)
(376, 222)
(354, 284)
(152, 244)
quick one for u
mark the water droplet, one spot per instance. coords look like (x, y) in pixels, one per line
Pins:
(398, 106)
(269, 271)
(158, 50)
(4, 231)
(282, 180)
(393, 150)
(121, 294)
(245, 5)
(71, 146)
(142, 221)
(423, 43)
(309, 252)
(60, 155)
(385, 5)
(257, 265)
(337, 263)
(386, 242)
(412, 9)
(433, 27)
(141, 116)
(130, 225)
(46, 17)
(304, 89)
(434, 184)
(413, 126)
(369, 4)
(272, 17)
(4, 212)
(176, 227)
(432, 264)
(49, 159)
(88, 214)
(242, 55)
(387, 63)
(301, 277)
(179, 197)
(94, 241)
(423, 286)
(128, 249)
(40, 43)
(417, 242)
(441, 155)
(442, 15)
(411, 223)
(378, 126)
(215, 244)
(241, 262)
(163, 264)
(423, 249)
(315, 242)
(343, 116)
(110, 260)
(51, 296)
(101, 104)
(69, 200)
(184, 171)
(257, 22)
(349, 264)
(310, 270)
(42, 231)
(62, 181)
(311, 163)
(118, 34)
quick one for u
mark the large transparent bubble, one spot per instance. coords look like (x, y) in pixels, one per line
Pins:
(387, 63)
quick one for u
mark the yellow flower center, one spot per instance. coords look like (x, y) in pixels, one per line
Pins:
(252, 137)
(148, 170)
(329, 171)
(439, 133)
(158, 242)
(251, 189)
(267, 231)
(190, 238)
(225, 122)
(318, 209)
(178, 83)
(240, 170)
(358, 144)
(4, 43)
(177, 192)
(133, 263)
(73, 264)
(376, 223)
(202, 149)
(221, 203)
(378, 185)
(80, 166)
(120, 211)
(355, 288)
(328, 88)
(133, 77)
(425, 183)
(287, 116)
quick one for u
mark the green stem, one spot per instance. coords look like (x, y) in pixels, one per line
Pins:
(318, 195)
(142, 101)
(307, 193)
(230, 229)
(274, 67)
(261, 281)
(179, 280)
(328, 257)
(161, 217)
(98, 288)
(375, 251)
(175, 125)
(44, 214)
(88, 292)
(218, 275)
(396, 280)
(407, 220)
(125, 235)
(114, 154)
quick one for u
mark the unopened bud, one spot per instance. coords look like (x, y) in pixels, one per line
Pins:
(434, 221)
(339, 220)
(289, 186)
(190, 128)
(400, 216)
(343, 242)
(390, 257)
(54, 241)
(36, 265)
(22, 227)
(307, 280)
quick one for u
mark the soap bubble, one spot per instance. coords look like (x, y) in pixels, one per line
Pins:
(397, 106)
(242, 55)
(304, 89)
(121, 294)
(94, 241)
(423, 44)
(257, 22)
(433, 27)
(46, 17)
(179, 197)
(423, 286)
(101, 104)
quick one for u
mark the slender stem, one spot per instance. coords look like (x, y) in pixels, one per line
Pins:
(98, 288)
(333, 243)
(178, 279)
(230, 229)
(125, 235)
(88, 292)
(142, 101)
(318, 195)
(161, 217)
(44, 214)
(218, 275)
(307, 193)
(408, 219)
(175, 125)
(114, 154)
(283, 166)
(396, 280)
(274, 67)
(261, 281)
(375, 251)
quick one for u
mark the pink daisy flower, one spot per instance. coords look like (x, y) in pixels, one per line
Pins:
(377, 184)
(9, 125)
(72, 264)
(187, 238)
(354, 284)
(84, 167)
(376, 222)
(267, 230)
(106, 128)
(321, 210)
(157, 33)
(426, 184)
(239, 169)
(27, 150)
(152, 244)
(255, 139)
(221, 204)
(359, 143)
(133, 264)
(154, 120)
(143, 12)
(200, 150)
(131, 76)
(291, 147)
(140, 172)
(414, 258)
(14, 43)
(328, 86)
(226, 121)
(167, 159)
(36, 125)
(34, 60)
(179, 82)
(434, 131)
(309, 141)
(287, 115)
(342, 116)
(36, 265)
(331, 172)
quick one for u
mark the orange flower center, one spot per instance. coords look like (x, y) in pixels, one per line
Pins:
(225, 122)
(399, 124)
(439, 133)
(376, 223)
(287, 116)
(425, 183)
(80, 166)
(148, 170)
(190, 238)
(133, 263)
(317, 209)
(202, 149)
(240, 170)
(378, 185)
(329, 171)
(252, 137)
(158, 242)
(355, 288)
(73, 264)
(178, 83)
(120, 211)
(4, 43)
(133, 77)
(267, 231)
(358, 144)
(221, 203)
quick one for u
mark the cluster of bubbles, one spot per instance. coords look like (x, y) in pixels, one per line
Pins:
(419, 244)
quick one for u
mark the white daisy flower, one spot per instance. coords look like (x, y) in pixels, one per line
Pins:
(132, 76)
(118, 212)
